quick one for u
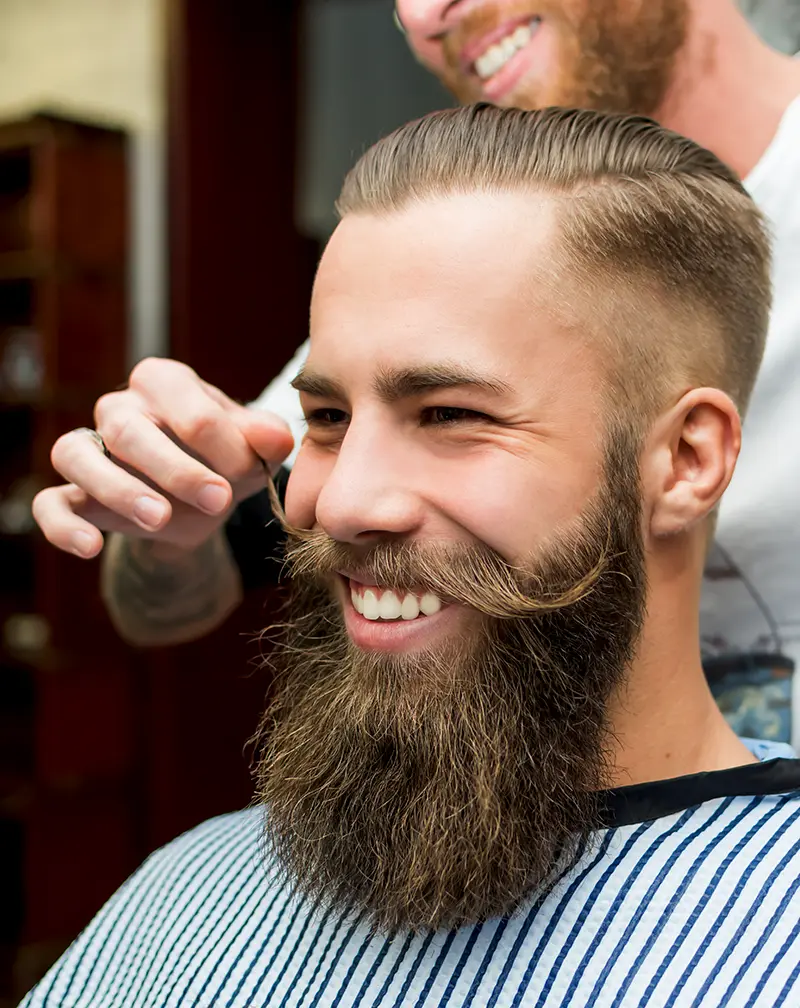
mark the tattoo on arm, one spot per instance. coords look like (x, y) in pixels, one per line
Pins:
(159, 595)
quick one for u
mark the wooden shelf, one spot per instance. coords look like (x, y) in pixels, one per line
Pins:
(71, 770)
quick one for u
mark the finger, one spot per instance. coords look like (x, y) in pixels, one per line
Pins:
(136, 441)
(72, 521)
(267, 434)
(187, 527)
(54, 512)
(197, 414)
(218, 396)
(78, 459)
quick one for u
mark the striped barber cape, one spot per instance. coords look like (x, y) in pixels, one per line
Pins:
(688, 897)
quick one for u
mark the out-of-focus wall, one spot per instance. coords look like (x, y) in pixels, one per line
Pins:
(360, 82)
(101, 60)
(778, 21)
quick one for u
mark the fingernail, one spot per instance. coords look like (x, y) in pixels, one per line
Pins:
(83, 545)
(213, 498)
(149, 512)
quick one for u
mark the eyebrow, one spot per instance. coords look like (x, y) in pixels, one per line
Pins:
(317, 385)
(393, 384)
(405, 383)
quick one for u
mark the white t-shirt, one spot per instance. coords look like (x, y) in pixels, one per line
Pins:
(751, 593)
(751, 599)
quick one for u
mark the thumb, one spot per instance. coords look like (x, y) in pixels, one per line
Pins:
(267, 434)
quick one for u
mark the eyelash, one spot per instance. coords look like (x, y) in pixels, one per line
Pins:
(322, 417)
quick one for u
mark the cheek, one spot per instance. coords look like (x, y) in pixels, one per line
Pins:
(428, 53)
(514, 505)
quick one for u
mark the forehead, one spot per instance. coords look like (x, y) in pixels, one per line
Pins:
(472, 279)
(467, 264)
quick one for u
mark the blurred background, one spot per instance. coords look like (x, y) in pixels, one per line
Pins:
(167, 175)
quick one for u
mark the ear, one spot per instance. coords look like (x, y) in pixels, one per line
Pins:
(689, 460)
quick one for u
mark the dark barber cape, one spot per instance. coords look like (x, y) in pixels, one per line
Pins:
(255, 537)
(688, 896)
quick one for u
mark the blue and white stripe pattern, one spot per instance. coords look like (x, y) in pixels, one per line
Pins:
(695, 908)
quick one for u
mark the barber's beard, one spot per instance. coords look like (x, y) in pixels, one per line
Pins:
(613, 56)
(445, 787)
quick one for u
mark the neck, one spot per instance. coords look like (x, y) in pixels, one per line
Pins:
(730, 89)
(667, 723)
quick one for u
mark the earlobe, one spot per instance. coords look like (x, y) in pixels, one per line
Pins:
(693, 456)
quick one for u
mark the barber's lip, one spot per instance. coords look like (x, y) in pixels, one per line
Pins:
(472, 50)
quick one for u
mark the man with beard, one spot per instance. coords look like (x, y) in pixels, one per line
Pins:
(698, 68)
(493, 773)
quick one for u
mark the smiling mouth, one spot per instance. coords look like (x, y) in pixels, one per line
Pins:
(495, 56)
(387, 605)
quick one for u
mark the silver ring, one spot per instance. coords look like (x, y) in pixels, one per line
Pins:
(95, 437)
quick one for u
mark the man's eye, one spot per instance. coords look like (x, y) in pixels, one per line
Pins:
(326, 417)
(451, 415)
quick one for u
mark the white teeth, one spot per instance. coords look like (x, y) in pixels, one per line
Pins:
(371, 610)
(410, 607)
(497, 55)
(358, 603)
(389, 606)
(429, 604)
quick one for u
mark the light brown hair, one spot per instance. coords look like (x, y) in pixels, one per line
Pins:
(662, 247)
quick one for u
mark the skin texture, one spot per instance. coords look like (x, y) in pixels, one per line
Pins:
(410, 479)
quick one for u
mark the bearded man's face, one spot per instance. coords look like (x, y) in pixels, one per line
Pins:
(466, 549)
(611, 55)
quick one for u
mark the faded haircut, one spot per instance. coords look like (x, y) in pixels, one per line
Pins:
(662, 252)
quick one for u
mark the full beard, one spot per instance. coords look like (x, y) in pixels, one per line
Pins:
(444, 788)
(613, 57)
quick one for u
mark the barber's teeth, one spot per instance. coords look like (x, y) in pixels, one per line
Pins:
(410, 607)
(429, 604)
(497, 55)
(389, 606)
(371, 609)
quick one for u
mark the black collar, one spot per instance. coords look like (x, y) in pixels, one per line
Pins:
(639, 803)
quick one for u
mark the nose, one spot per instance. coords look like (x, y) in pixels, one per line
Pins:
(368, 494)
(425, 18)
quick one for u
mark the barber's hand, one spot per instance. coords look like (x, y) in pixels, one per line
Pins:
(181, 456)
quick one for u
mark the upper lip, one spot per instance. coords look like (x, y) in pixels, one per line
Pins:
(477, 47)
(359, 577)
(350, 574)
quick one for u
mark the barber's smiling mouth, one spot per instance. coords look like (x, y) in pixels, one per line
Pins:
(498, 59)
(387, 619)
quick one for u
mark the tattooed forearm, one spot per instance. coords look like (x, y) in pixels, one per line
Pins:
(158, 595)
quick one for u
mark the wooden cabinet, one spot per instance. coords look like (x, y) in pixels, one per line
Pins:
(70, 751)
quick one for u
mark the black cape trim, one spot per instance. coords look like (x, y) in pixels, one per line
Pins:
(638, 803)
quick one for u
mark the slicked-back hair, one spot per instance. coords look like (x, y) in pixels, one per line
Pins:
(658, 240)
